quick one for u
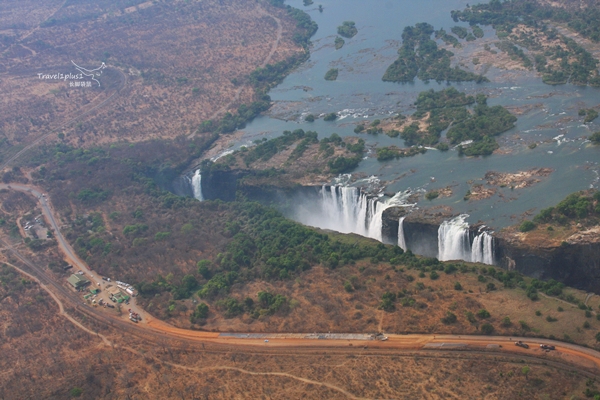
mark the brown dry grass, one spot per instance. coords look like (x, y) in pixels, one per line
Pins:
(180, 59)
(67, 357)
(321, 304)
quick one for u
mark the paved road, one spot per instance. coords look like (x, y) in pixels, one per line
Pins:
(585, 357)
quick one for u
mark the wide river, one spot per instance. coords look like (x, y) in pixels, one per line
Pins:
(359, 94)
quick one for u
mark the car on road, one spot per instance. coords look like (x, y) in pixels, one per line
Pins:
(547, 347)
(266, 340)
(521, 344)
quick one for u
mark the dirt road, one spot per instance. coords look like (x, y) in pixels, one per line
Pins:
(564, 353)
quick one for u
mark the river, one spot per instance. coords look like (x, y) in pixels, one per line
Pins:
(359, 94)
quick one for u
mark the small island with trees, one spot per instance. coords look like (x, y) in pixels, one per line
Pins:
(347, 29)
(331, 75)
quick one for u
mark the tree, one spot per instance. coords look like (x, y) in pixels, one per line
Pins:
(483, 313)
(457, 286)
(203, 268)
(487, 329)
(506, 322)
(527, 226)
(200, 313)
(450, 318)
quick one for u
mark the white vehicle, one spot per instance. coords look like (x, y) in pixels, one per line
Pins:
(266, 340)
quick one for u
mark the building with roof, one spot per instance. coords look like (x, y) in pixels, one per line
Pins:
(115, 294)
(78, 281)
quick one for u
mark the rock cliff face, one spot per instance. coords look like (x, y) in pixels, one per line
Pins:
(420, 229)
(576, 264)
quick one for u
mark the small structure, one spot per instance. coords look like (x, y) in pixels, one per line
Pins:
(116, 295)
(78, 281)
(94, 290)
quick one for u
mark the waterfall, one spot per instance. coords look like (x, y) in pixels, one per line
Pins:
(347, 209)
(453, 240)
(482, 250)
(197, 185)
(401, 239)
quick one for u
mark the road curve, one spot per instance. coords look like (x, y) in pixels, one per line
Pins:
(585, 357)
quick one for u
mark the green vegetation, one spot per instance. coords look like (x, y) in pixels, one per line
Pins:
(330, 117)
(515, 53)
(339, 42)
(477, 31)
(309, 118)
(269, 247)
(200, 313)
(590, 115)
(460, 31)
(391, 152)
(347, 29)
(575, 206)
(485, 122)
(331, 75)
(266, 149)
(595, 138)
(448, 39)
(487, 328)
(420, 57)
(343, 164)
(387, 301)
(449, 106)
(450, 318)
(572, 62)
(432, 195)
(526, 226)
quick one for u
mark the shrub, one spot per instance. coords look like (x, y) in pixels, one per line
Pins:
(549, 318)
(483, 313)
(470, 317)
(309, 118)
(331, 75)
(348, 287)
(432, 195)
(201, 312)
(527, 226)
(487, 329)
(347, 29)
(457, 286)
(434, 275)
(506, 322)
(586, 325)
(450, 318)
(330, 117)
(595, 137)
